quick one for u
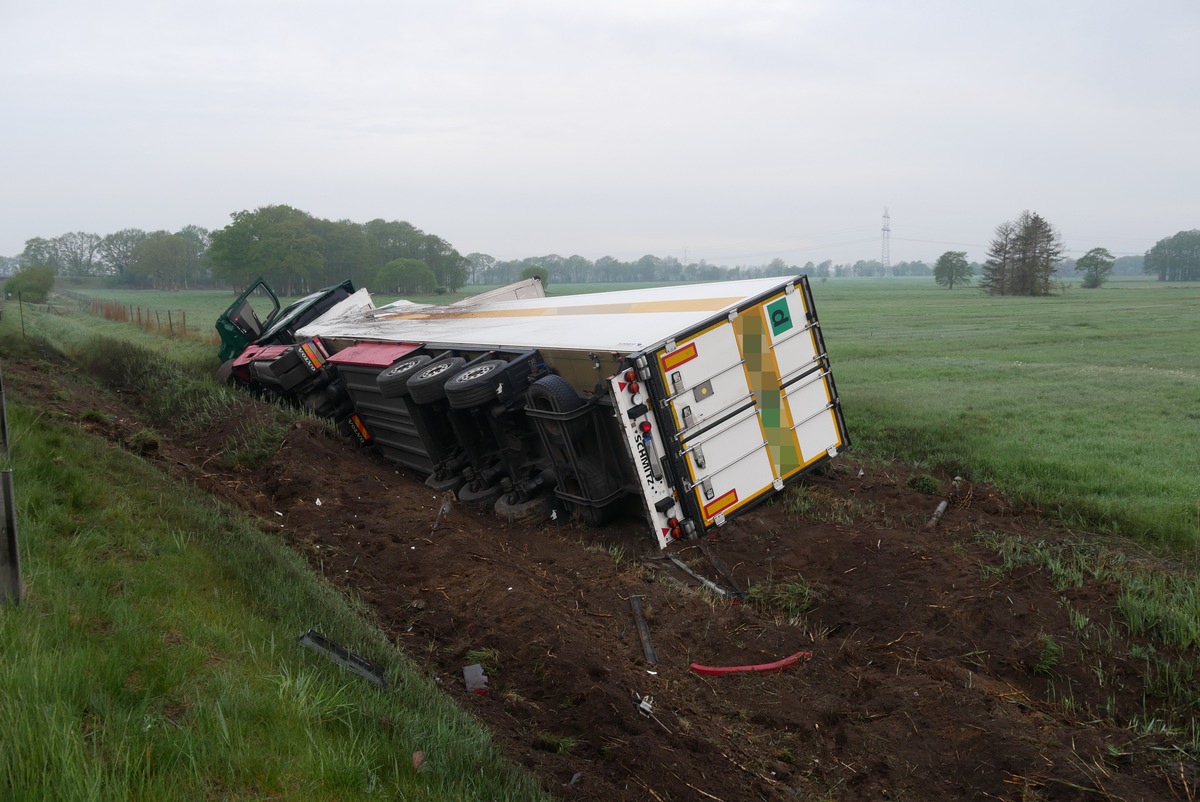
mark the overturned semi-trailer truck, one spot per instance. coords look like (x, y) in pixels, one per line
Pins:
(700, 400)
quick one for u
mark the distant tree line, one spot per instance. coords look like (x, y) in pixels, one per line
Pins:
(132, 257)
(297, 252)
(294, 251)
(486, 269)
(1175, 258)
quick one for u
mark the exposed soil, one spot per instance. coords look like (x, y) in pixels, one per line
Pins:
(928, 674)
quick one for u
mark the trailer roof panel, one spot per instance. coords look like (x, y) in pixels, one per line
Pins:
(621, 321)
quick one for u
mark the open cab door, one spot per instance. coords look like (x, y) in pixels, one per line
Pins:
(241, 324)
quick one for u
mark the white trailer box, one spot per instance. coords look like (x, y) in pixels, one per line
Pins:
(720, 394)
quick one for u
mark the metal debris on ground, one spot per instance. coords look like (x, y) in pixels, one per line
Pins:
(340, 655)
(719, 566)
(444, 509)
(643, 629)
(937, 515)
(654, 562)
(708, 583)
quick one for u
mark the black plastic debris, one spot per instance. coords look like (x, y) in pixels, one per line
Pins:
(342, 656)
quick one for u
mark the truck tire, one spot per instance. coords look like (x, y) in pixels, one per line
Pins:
(479, 496)
(590, 482)
(393, 381)
(534, 511)
(328, 401)
(429, 383)
(554, 394)
(476, 384)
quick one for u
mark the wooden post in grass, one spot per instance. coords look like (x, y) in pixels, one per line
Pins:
(10, 562)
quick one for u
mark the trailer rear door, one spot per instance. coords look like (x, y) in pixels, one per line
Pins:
(752, 402)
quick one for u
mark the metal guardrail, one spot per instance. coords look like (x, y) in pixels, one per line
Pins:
(3, 420)
(10, 560)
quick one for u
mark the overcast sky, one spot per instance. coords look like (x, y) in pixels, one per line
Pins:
(735, 131)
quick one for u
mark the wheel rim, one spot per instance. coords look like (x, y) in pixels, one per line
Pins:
(470, 374)
(440, 367)
(403, 366)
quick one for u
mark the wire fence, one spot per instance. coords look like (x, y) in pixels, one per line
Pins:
(169, 322)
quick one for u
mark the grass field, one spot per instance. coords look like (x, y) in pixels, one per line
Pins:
(1083, 404)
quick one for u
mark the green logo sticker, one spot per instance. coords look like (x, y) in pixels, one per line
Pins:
(781, 318)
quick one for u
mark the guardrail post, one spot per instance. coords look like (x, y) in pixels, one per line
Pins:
(10, 560)
(3, 420)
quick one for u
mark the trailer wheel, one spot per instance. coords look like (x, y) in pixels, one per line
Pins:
(481, 497)
(534, 511)
(476, 384)
(589, 482)
(393, 381)
(451, 482)
(553, 394)
(429, 383)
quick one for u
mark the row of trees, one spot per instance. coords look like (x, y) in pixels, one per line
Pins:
(297, 252)
(1176, 258)
(293, 250)
(131, 256)
(486, 269)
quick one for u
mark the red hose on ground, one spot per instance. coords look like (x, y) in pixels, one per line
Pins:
(765, 668)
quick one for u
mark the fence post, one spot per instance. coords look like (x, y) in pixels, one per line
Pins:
(10, 560)
(170, 323)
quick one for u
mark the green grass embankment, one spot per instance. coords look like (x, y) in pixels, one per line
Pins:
(154, 655)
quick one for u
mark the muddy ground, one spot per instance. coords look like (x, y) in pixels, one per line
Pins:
(922, 674)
